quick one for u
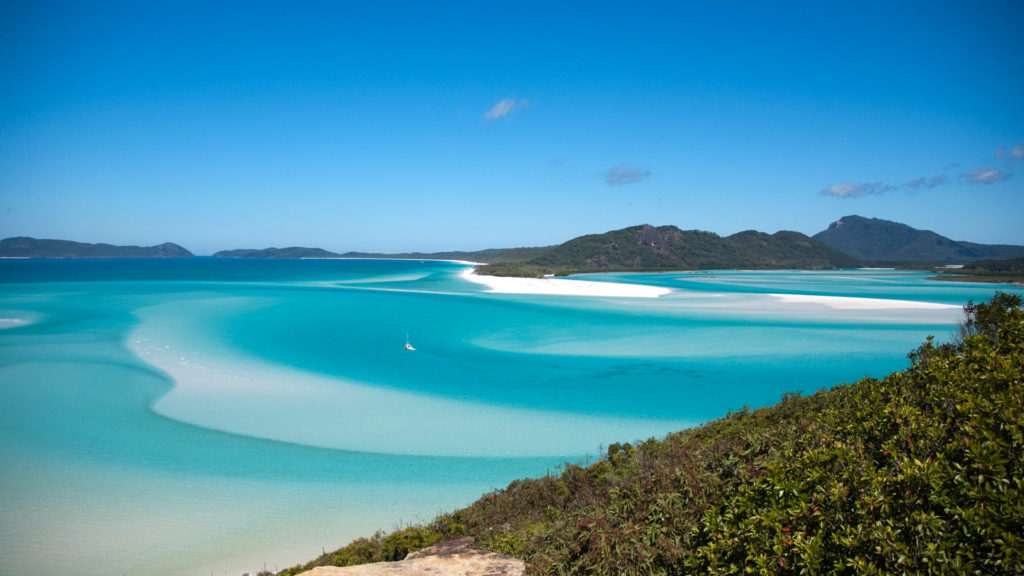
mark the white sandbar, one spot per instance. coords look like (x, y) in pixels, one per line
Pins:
(853, 303)
(563, 287)
(224, 389)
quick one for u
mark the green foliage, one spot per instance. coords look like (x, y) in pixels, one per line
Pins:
(380, 547)
(919, 473)
(996, 266)
(1010, 270)
(515, 269)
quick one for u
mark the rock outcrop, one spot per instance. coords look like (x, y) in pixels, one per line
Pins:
(452, 558)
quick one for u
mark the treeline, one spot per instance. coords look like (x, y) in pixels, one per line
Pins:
(919, 473)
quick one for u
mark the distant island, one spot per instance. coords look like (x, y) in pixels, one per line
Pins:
(292, 252)
(488, 255)
(25, 247)
(849, 242)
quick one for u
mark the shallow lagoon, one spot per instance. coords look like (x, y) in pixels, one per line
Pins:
(209, 416)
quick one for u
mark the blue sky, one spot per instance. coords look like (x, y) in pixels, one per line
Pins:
(394, 126)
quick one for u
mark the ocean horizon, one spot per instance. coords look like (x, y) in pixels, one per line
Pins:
(221, 416)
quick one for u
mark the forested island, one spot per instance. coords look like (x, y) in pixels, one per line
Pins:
(26, 247)
(919, 473)
(291, 252)
(649, 248)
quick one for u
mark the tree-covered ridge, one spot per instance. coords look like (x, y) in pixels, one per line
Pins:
(669, 248)
(25, 247)
(995, 266)
(1010, 270)
(919, 473)
(883, 241)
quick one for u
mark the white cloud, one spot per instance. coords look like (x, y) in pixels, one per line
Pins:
(503, 108)
(927, 183)
(625, 174)
(986, 176)
(1017, 152)
(855, 189)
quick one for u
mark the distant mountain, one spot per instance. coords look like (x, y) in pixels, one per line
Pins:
(878, 240)
(25, 247)
(291, 252)
(647, 247)
(489, 255)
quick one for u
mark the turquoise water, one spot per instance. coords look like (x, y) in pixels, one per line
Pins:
(214, 416)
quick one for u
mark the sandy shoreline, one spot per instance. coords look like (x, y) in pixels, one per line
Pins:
(563, 286)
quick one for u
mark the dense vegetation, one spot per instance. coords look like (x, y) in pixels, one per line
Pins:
(25, 247)
(919, 473)
(1011, 270)
(881, 241)
(669, 248)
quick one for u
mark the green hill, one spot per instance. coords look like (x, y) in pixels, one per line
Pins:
(25, 247)
(669, 248)
(883, 241)
(919, 473)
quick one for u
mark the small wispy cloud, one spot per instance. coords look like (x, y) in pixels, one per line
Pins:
(504, 107)
(927, 183)
(624, 173)
(861, 189)
(1017, 153)
(986, 176)
(855, 189)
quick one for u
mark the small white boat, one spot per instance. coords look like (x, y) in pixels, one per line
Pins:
(407, 345)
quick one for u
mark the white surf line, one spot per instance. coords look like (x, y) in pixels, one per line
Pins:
(13, 322)
(563, 286)
(857, 303)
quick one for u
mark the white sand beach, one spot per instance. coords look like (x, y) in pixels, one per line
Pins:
(854, 303)
(563, 286)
